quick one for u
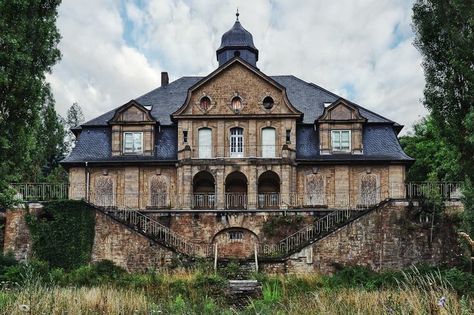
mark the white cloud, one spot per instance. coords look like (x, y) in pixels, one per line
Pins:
(98, 69)
(362, 49)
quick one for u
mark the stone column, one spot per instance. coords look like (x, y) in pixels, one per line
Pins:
(252, 187)
(220, 187)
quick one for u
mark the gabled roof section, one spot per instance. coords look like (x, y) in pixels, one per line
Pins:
(342, 110)
(308, 98)
(120, 115)
(230, 63)
(379, 139)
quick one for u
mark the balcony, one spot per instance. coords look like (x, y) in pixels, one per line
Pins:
(235, 152)
(237, 198)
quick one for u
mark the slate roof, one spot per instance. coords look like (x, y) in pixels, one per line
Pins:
(307, 97)
(237, 36)
(379, 134)
(94, 145)
(379, 140)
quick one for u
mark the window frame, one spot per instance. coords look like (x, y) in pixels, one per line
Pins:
(124, 145)
(236, 236)
(238, 144)
(339, 149)
(201, 149)
(269, 151)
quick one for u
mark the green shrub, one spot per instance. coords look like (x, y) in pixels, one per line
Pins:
(64, 235)
(211, 285)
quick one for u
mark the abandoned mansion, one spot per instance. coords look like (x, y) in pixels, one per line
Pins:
(208, 167)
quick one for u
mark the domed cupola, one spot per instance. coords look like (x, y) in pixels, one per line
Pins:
(237, 42)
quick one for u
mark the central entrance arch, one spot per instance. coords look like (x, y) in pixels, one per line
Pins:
(236, 191)
(269, 190)
(235, 242)
(204, 191)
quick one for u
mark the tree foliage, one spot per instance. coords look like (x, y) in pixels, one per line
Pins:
(445, 37)
(28, 122)
(435, 159)
(444, 32)
(74, 118)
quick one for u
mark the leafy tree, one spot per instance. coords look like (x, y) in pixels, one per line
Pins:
(435, 159)
(28, 50)
(74, 118)
(445, 37)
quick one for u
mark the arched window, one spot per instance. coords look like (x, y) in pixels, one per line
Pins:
(236, 104)
(205, 103)
(205, 143)
(314, 190)
(104, 191)
(236, 142)
(268, 142)
(158, 191)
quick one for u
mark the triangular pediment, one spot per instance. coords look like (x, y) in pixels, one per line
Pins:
(238, 79)
(132, 112)
(342, 110)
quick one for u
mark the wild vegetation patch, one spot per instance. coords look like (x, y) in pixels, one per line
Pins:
(63, 234)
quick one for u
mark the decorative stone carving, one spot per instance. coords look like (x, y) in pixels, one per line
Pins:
(315, 192)
(104, 191)
(158, 191)
(368, 190)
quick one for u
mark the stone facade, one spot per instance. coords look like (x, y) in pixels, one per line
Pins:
(385, 239)
(127, 248)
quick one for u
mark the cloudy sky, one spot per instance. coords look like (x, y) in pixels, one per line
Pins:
(114, 50)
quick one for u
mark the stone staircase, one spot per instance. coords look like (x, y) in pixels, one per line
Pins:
(157, 232)
(286, 247)
(314, 232)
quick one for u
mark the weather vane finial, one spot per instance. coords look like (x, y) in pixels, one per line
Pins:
(237, 14)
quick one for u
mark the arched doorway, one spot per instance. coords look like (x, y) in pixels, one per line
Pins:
(236, 191)
(269, 190)
(204, 191)
(235, 242)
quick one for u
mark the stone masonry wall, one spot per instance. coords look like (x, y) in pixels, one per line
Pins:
(125, 247)
(386, 239)
(17, 238)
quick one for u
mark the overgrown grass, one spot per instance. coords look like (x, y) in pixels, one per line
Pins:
(104, 288)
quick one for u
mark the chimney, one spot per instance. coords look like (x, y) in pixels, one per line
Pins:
(164, 79)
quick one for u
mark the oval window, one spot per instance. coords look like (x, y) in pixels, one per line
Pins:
(268, 102)
(205, 103)
(236, 104)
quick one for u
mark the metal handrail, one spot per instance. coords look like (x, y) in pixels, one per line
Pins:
(309, 233)
(160, 233)
(41, 191)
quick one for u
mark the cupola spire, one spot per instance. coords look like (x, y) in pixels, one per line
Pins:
(237, 42)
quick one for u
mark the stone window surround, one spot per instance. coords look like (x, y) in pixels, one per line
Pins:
(242, 101)
(211, 104)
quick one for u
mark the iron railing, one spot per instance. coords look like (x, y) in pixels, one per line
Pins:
(429, 189)
(305, 235)
(159, 232)
(41, 191)
(411, 190)
(243, 151)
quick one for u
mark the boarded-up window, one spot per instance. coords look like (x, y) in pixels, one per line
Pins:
(368, 190)
(315, 195)
(104, 191)
(158, 191)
